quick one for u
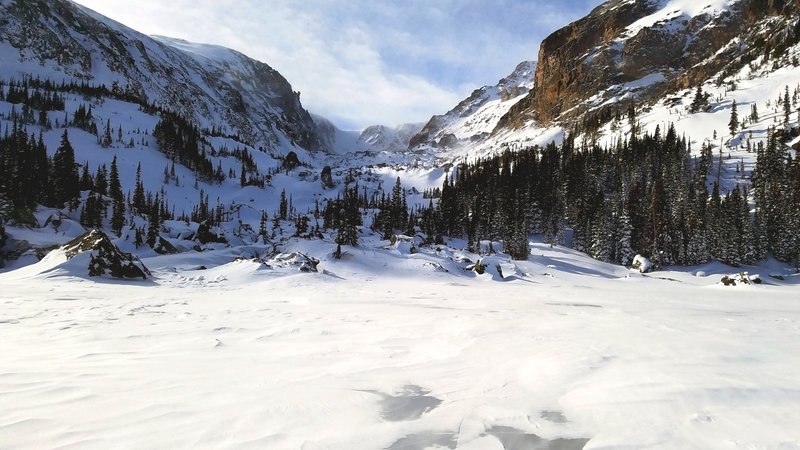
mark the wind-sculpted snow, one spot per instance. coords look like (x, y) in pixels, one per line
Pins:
(377, 351)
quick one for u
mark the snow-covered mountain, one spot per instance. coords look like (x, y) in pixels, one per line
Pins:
(641, 57)
(221, 282)
(217, 87)
(476, 117)
(374, 139)
(629, 52)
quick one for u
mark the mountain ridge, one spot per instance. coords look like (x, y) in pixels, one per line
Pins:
(236, 93)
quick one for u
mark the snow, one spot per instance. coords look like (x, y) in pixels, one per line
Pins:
(396, 345)
(380, 350)
(673, 10)
(642, 264)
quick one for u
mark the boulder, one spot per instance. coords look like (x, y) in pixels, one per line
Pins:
(105, 258)
(741, 278)
(164, 247)
(291, 161)
(302, 262)
(327, 178)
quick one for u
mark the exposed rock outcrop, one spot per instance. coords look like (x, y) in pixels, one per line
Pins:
(628, 51)
(105, 258)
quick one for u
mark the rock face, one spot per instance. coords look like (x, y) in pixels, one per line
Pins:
(216, 87)
(326, 176)
(105, 258)
(633, 51)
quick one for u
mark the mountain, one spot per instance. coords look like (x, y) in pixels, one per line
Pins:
(629, 52)
(214, 149)
(216, 87)
(476, 116)
(373, 139)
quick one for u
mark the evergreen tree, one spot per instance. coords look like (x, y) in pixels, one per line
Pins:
(139, 201)
(753, 113)
(699, 101)
(733, 124)
(65, 172)
(624, 250)
(114, 186)
(284, 206)
(117, 216)
(107, 140)
(787, 107)
(350, 218)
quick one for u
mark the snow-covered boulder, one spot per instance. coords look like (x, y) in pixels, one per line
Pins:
(497, 268)
(642, 264)
(103, 258)
(403, 244)
(164, 247)
(741, 279)
(303, 263)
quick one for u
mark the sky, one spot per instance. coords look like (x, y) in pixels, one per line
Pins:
(365, 62)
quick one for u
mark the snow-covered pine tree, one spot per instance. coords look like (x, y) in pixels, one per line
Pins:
(733, 124)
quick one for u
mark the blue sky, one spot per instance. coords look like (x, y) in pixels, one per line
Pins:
(364, 62)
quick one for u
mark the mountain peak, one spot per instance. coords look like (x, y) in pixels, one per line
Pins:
(477, 116)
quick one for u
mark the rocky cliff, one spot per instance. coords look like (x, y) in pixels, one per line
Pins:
(636, 51)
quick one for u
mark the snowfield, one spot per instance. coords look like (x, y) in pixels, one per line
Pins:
(389, 350)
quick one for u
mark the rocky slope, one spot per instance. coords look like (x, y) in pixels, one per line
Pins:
(218, 87)
(476, 116)
(628, 51)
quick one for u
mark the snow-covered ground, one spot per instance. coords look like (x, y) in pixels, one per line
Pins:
(385, 349)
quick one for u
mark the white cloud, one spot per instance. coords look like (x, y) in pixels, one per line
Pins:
(360, 62)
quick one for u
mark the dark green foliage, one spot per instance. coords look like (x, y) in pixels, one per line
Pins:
(181, 141)
(733, 124)
(348, 216)
(64, 172)
(647, 195)
(700, 100)
(283, 208)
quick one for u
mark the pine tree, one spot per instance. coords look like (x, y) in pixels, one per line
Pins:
(733, 124)
(624, 250)
(117, 216)
(284, 206)
(139, 201)
(107, 140)
(65, 172)
(787, 107)
(114, 186)
(753, 113)
(699, 100)
(262, 226)
(348, 233)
